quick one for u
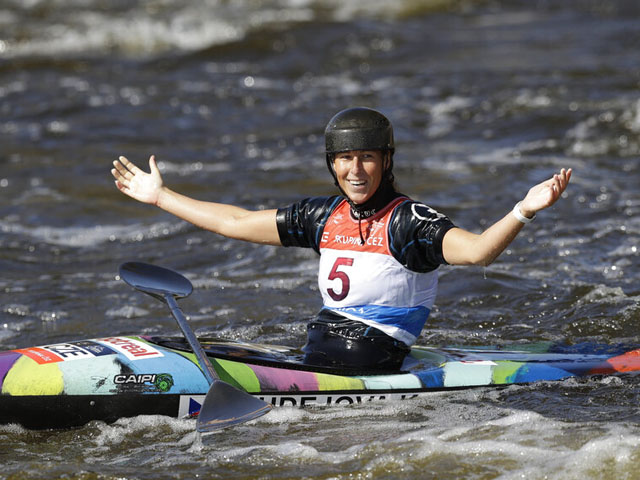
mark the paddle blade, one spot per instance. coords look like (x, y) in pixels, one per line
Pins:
(154, 280)
(225, 406)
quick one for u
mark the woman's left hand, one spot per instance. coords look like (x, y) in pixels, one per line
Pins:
(545, 194)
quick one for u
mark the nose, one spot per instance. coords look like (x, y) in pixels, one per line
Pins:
(356, 164)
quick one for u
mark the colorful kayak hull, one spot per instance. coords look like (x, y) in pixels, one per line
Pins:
(66, 385)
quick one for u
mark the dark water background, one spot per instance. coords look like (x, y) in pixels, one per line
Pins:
(487, 99)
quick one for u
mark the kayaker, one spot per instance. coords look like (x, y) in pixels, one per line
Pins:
(379, 250)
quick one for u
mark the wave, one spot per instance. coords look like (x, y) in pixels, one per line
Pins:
(91, 236)
(45, 28)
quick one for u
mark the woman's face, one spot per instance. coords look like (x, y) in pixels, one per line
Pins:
(359, 173)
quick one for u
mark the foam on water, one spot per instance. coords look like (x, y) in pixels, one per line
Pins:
(612, 131)
(135, 34)
(196, 168)
(516, 444)
(127, 311)
(148, 30)
(407, 439)
(91, 236)
(141, 427)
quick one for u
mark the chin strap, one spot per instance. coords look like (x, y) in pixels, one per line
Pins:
(360, 230)
(385, 193)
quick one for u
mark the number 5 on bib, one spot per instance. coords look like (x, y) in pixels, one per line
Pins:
(336, 274)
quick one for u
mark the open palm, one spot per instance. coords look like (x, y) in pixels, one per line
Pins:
(132, 181)
(546, 193)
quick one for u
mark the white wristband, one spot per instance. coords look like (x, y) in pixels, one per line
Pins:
(518, 214)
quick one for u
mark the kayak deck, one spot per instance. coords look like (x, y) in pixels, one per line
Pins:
(64, 385)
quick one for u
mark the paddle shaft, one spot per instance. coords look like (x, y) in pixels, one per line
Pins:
(224, 405)
(209, 373)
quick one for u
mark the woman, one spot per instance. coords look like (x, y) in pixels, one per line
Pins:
(379, 250)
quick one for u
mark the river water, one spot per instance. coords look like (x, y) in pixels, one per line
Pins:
(487, 98)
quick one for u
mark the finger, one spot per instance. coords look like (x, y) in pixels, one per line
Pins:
(569, 172)
(152, 164)
(129, 165)
(563, 178)
(118, 169)
(121, 169)
(563, 182)
(124, 161)
(121, 187)
(567, 176)
(552, 188)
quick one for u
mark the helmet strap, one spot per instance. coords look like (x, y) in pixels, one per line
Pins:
(380, 199)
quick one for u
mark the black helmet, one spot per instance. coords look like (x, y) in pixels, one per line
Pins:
(358, 128)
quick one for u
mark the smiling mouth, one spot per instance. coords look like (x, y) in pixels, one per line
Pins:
(357, 183)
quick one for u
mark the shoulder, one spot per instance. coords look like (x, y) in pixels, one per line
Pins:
(416, 231)
(414, 212)
(319, 204)
(312, 207)
(300, 222)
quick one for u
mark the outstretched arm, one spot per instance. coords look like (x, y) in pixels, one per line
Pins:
(461, 247)
(228, 220)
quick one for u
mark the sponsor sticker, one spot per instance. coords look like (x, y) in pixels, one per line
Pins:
(130, 348)
(64, 352)
(40, 355)
(161, 382)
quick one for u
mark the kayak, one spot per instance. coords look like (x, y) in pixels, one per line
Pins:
(70, 384)
(225, 383)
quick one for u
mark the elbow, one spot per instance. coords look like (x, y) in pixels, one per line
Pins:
(473, 261)
(484, 262)
(464, 248)
(481, 259)
(481, 262)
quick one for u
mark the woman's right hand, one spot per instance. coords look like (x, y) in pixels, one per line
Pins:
(142, 186)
